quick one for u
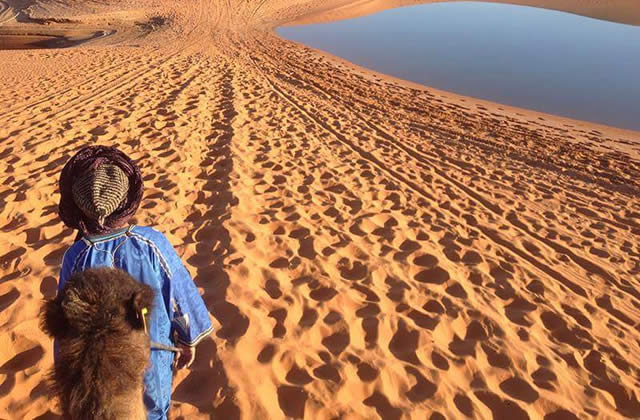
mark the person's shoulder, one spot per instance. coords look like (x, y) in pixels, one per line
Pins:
(160, 244)
(147, 231)
(75, 249)
(158, 238)
(71, 255)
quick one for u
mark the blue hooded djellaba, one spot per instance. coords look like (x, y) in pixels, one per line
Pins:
(100, 190)
(178, 309)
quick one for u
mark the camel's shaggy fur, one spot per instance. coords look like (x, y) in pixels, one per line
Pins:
(103, 349)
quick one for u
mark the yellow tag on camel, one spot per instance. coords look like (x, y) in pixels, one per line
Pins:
(144, 312)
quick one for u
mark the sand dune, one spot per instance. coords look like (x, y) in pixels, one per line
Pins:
(367, 247)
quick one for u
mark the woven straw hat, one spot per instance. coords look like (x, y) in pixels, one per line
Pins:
(98, 193)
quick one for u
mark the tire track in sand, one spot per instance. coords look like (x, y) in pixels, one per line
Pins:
(414, 186)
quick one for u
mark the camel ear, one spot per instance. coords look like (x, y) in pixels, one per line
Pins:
(141, 299)
(52, 319)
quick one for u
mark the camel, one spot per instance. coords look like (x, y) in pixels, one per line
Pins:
(103, 350)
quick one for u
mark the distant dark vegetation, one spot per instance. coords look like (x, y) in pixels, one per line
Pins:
(153, 24)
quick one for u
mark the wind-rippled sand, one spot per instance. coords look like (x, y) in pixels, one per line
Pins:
(367, 248)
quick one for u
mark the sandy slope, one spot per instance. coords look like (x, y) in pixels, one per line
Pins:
(367, 247)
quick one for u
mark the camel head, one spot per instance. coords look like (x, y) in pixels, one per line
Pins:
(103, 350)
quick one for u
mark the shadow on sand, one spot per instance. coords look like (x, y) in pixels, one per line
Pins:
(213, 245)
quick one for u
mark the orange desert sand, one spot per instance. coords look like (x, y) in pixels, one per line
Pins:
(368, 248)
